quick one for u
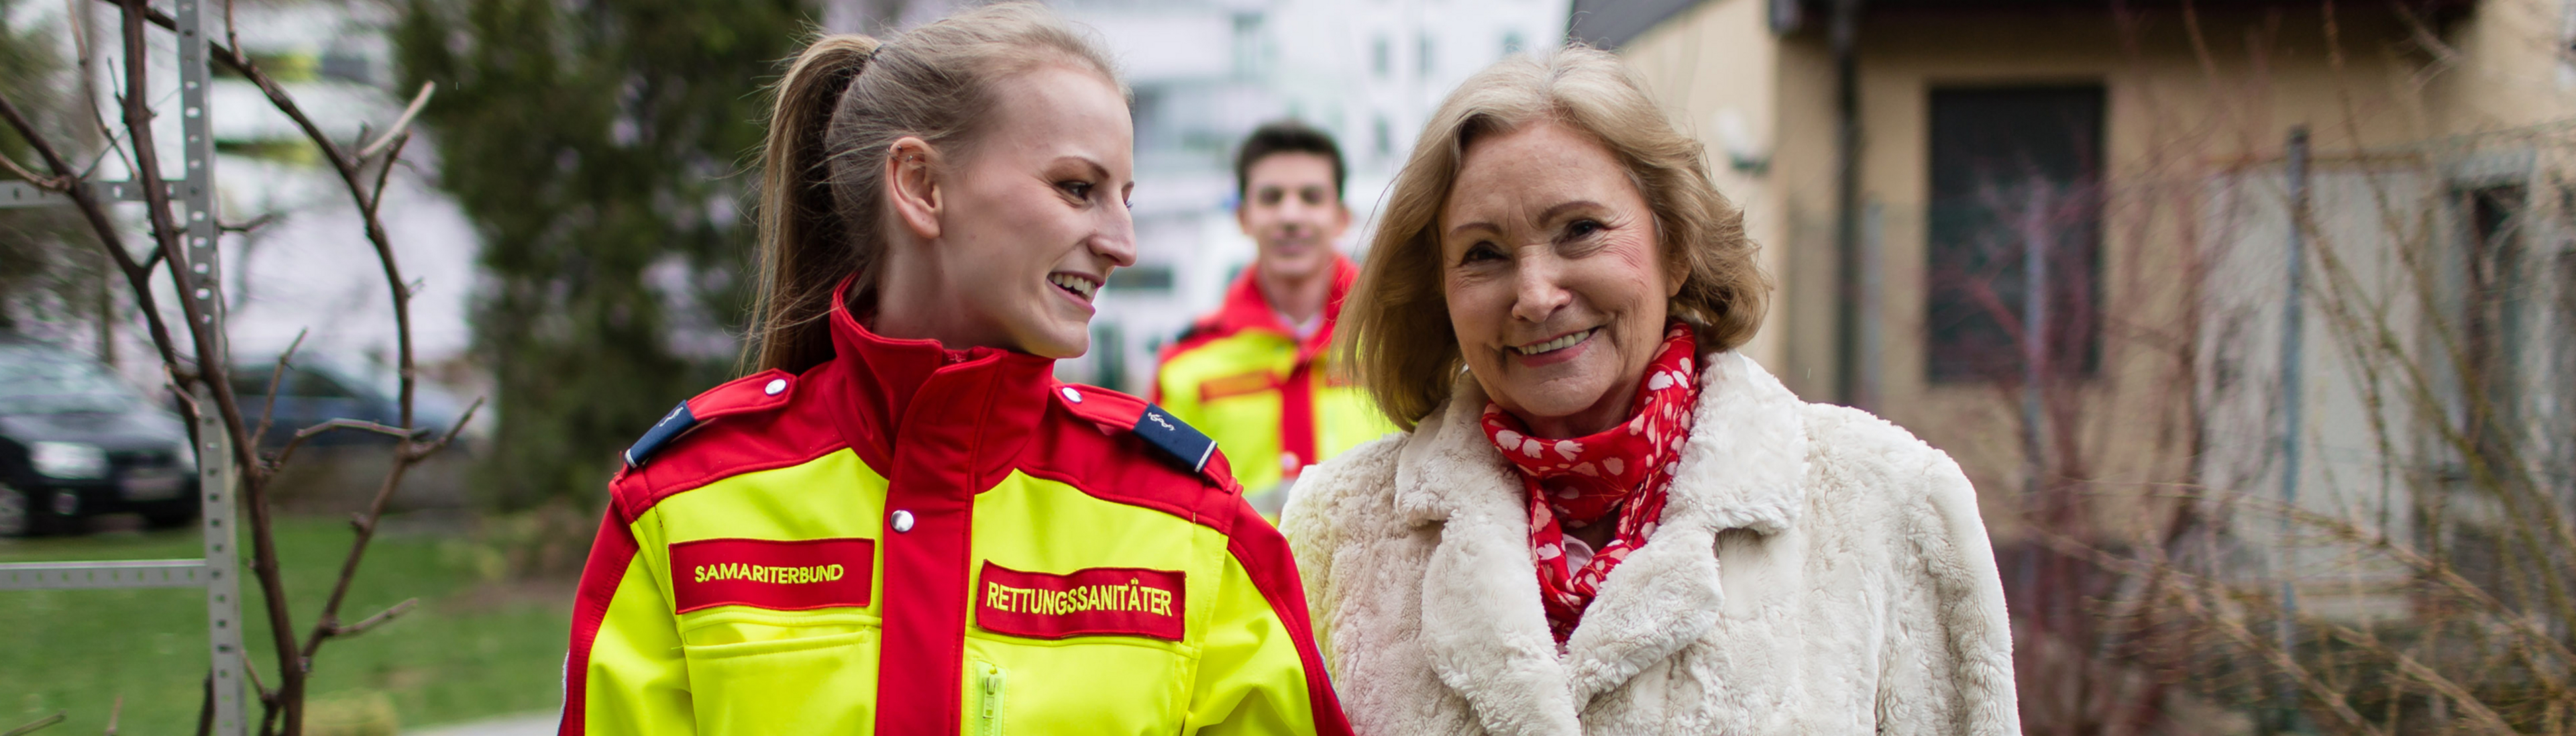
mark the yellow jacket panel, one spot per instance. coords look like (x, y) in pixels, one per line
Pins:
(1269, 399)
(911, 540)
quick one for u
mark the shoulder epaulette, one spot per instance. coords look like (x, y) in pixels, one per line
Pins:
(1171, 438)
(761, 391)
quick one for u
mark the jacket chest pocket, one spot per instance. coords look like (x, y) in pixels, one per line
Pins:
(1087, 687)
(777, 672)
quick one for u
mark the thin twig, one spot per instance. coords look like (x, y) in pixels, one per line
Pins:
(424, 450)
(384, 173)
(379, 619)
(318, 430)
(402, 124)
(57, 717)
(268, 408)
(113, 712)
(39, 180)
(255, 223)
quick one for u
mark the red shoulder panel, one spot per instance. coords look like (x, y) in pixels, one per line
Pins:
(742, 426)
(1091, 444)
(746, 394)
(1113, 411)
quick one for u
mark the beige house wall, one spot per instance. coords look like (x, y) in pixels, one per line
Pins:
(1715, 69)
(2189, 100)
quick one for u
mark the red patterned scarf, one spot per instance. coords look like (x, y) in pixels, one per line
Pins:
(1578, 481)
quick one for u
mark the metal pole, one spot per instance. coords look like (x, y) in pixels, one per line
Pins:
(1845, 36)
(2034, 326)
(1871, 304)
(216, 477)
(2292, 339)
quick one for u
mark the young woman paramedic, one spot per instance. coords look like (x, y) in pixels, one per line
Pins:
(903, 524)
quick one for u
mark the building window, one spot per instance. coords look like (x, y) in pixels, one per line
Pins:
(1514, 42)
(1381, 57)
(1427, 61)
(2490, 322)
(1248, 51)
(2013, 169)
(1383, 136)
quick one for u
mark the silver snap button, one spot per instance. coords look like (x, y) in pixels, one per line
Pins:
(902, 521)
(1072, 395)
(775, 385)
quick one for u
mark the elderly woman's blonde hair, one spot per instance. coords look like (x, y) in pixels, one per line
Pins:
(1395, 331)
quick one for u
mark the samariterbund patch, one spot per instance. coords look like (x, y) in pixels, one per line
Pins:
(1088, 602)
(780, 575)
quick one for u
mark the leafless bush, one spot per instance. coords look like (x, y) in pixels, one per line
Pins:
(198, 367)
(2423, 579)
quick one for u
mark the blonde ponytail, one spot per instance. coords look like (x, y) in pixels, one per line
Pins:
(796, 204)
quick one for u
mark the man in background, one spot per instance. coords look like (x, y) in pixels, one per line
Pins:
(1253, 374)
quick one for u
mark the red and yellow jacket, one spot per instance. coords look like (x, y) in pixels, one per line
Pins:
(913, 540)
(1267, 397)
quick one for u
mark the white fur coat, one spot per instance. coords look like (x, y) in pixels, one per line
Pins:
(1817, 571)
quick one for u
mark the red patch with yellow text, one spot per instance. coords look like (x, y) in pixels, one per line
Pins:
(1123, 601)
(780, 575)
(1239, 384)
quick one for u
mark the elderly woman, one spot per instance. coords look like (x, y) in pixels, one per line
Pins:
(1604, 519)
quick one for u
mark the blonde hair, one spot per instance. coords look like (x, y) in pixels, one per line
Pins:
(840, 109)
(1395, 331)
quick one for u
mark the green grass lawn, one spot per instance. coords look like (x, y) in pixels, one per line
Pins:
(476, 646)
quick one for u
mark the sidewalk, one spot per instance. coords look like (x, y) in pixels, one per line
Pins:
(532, 724)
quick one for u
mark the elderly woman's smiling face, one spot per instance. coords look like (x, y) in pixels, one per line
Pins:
(1555, 285)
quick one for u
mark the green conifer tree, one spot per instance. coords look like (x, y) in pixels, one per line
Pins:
(601, 149)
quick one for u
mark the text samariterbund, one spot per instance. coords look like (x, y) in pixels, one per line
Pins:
(776, 574)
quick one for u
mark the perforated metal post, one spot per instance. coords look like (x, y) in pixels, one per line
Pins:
(216, 476)
(217, 483)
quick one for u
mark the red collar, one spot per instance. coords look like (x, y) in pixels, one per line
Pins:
(971, 408)
(1246, 309)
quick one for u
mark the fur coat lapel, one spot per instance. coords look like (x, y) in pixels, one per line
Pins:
(1740, 469)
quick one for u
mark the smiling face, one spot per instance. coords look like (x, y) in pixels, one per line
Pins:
(1009, 244)
(1292, 213)
(1554, 282)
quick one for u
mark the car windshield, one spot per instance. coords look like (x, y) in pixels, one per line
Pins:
(38, 380)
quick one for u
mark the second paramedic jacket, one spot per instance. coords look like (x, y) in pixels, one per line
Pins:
(913, 540)
(1266, 395)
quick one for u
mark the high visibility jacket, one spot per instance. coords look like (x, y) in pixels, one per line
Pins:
(1268, 398)
(912, 540)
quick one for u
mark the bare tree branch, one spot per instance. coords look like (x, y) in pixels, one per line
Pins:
(255, 223)
(401, 125)
(31, 727)
(268, 408)
(39, 180)
(423, 451)
(379, 619)
(328, 427)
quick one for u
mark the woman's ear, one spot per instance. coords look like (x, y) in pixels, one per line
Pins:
(912, 186)
(1677, 270)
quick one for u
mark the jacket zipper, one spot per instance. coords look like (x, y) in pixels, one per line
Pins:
(988, 698)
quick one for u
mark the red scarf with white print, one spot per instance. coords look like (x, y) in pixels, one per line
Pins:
(1577, 482)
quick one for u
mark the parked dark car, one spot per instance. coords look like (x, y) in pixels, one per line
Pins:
(314, 391)
(77, 442)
